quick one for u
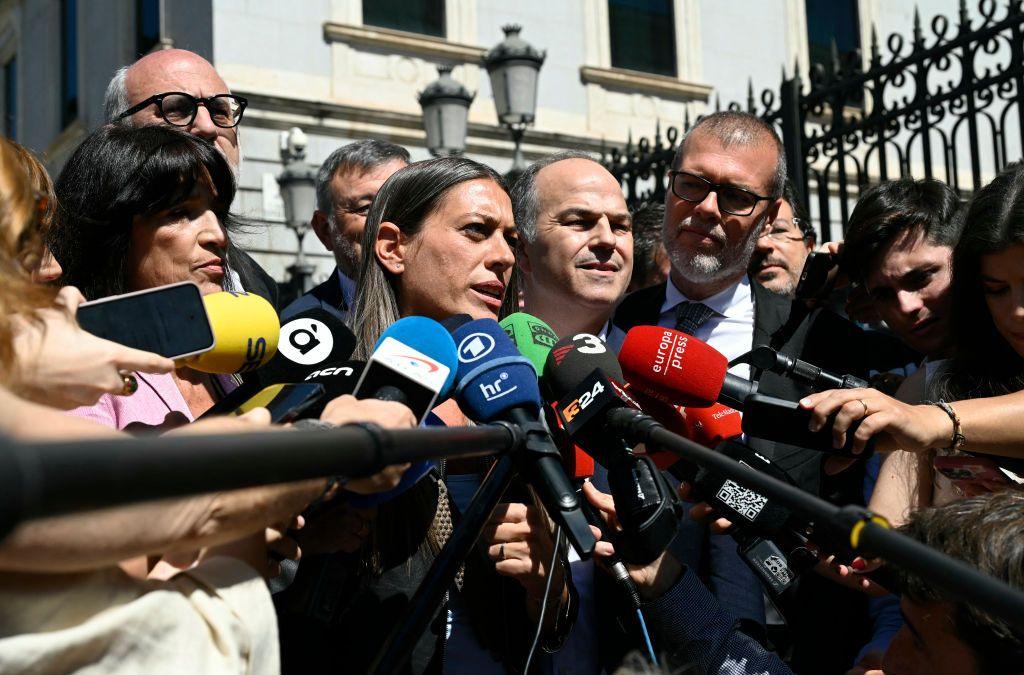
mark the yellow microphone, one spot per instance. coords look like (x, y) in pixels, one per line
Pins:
(245, 330)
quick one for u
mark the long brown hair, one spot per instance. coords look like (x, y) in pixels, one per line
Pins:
(24, 209)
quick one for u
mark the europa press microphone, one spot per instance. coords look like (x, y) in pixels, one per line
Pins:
(680, 369)
(495, 382)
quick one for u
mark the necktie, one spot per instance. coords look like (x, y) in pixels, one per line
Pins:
(692, 315)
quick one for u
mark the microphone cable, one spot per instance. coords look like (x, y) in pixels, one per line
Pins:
(647, 636)
(544, 602)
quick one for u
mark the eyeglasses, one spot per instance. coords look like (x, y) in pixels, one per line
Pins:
(733, 200)
(180, 109)
(785, 235)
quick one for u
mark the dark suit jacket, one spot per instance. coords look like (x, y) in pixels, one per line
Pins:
(326, 296)
(254, 278)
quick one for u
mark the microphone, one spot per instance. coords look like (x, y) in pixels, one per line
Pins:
(245, 329)
(312, 339)
(495, 382)
(766, 358)
(646, 505)
(532, 337)
(413, 363)
(680, 369)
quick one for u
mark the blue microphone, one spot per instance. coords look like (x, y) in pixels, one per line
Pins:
(495, 382)
(414, 362)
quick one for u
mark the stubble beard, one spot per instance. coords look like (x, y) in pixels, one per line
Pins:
(705, 268)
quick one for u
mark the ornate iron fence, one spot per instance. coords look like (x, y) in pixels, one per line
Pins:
(948, 103)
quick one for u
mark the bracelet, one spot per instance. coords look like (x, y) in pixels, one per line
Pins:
(958, 440)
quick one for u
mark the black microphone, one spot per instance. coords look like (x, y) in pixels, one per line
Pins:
(312, 338)
(766, 358)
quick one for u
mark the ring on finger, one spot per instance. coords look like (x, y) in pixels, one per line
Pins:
(861, 401)
(130, 384)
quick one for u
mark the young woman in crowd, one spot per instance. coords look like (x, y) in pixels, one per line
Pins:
(978, 392)
(439, 241)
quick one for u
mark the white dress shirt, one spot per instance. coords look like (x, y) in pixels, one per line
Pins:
(730, 330)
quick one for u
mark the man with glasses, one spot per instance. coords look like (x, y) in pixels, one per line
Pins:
(182, 89)
(781, 251)
(725, 192)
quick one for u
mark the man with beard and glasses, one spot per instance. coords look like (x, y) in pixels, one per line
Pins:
(782, 250)
(725, 192)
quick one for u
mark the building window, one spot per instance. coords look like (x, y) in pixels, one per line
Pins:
(412, 16)
(147, 25)
(643, 35)
(10, 110)
(829, 20)
(69, 61)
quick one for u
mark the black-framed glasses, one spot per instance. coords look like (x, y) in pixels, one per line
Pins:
(787, 235)
(731, 199)
(180, 109)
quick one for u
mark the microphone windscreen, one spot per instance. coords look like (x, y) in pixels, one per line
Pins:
(429, 338)
(532, 337)
(455, 320)
(574, 358)
(337, 380)
(672, 366)
(311, 338)
(493, 376)
(245, 327)
(711, 425)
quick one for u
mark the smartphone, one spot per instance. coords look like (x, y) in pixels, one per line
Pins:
(814, 278)
(286, 402)
(785, 421)
(169, 320)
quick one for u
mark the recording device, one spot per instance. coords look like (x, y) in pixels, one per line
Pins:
(680, 369)
(412, 363)
(495, 382)
(533, 337)
(286, 402)
(246, 328)
(766, 358)
(170, 320)
(312, 338)
(815, 282)
(646, 505)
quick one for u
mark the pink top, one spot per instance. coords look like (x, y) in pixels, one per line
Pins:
(157, 403)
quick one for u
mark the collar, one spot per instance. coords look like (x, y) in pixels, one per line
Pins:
(348, 287)
(729, 302)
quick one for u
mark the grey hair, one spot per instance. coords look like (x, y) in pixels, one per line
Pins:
(406, 199)
(732, 128)
(115, 100)
(525, 202)
(360, 156)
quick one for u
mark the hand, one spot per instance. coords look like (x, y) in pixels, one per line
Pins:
(387, 414)
(257, 419)
(384, 480)
(852, 576)
(520, 543)
(898, 425)
(341, 528)
(652, 580)
(869, 664)
(60, 365)
(281, 544)
(702, 511)
(251, 549)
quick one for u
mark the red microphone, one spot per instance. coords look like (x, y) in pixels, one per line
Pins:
(712, 425)
(680, 369)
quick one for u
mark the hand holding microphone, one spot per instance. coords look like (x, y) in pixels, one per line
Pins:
(60, 365)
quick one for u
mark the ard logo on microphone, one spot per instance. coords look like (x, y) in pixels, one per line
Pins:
(475, 346)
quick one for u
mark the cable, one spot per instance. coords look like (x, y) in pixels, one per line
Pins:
(647, 636)
(544, 602)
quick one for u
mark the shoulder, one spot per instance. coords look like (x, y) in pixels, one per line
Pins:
(640, 307)
(326, 296)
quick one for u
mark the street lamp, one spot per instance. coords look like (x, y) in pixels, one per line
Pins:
(513, 65)
(445, 105)
(298, 192)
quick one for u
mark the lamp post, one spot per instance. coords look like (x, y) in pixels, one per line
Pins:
(445, 105)
(298, 192)
(513, 65)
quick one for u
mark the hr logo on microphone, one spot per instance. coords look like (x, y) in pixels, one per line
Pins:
(496, 390)
(305, 341)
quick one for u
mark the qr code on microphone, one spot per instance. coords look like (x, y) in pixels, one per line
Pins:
(743, 501)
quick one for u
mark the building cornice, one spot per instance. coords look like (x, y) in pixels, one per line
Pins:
(401, 42)
(634, 81)
(280, 112)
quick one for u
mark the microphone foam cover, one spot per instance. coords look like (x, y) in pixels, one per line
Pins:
(427, 337)
(493, 376)
(310, 339)
(454, 321)
(532, 337)
(574, 358)
(245, 327)
(712, 425)
(673, 366)
(337, 379)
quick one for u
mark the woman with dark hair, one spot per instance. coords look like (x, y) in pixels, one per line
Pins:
(439, 241)
(140, 208)
(977, 394)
